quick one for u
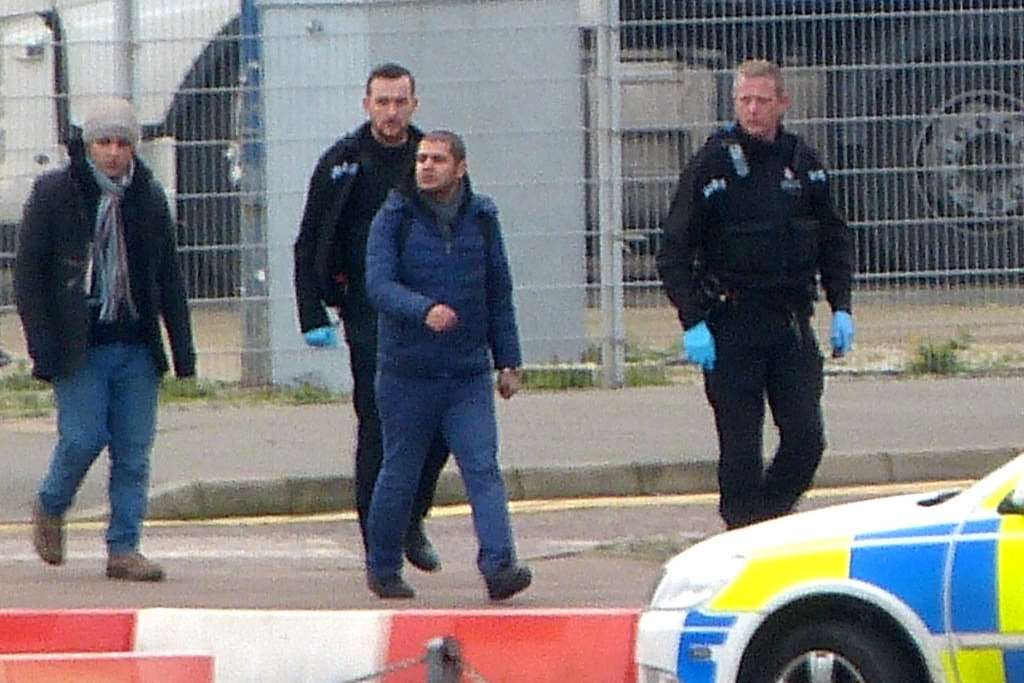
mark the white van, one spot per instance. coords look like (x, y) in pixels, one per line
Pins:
(177, 60)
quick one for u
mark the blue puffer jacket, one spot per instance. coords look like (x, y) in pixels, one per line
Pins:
(411, 266)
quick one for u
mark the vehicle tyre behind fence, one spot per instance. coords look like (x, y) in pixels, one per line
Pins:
(946, 197)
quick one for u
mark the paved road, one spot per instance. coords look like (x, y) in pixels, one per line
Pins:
(582, 556)
(260, 459)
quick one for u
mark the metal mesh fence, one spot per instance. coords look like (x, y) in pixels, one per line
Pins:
(916, 108)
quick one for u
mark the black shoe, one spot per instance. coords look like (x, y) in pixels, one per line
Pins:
(419, 551)
(508, 582)
(393, 587)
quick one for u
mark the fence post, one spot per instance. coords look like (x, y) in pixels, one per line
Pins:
(609, 191)
(256, 359)
(123, 66)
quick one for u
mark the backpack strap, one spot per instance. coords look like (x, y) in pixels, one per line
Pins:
(801, 156)
(487, 227)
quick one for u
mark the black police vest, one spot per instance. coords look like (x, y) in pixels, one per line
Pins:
(777, 252)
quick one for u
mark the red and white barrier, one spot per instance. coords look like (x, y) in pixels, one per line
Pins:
(307, 646)
(271, 645)
(40, 631)
(539, 646)
(88, 646)
(121, 667)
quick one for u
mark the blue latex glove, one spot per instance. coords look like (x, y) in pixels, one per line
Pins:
(699, 346)
(842, 333)
(322, 337)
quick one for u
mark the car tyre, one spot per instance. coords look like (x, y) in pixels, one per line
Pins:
(829, 651)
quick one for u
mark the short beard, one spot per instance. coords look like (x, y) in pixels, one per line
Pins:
(379, 136)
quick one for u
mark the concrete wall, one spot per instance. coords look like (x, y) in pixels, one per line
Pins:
(506, 78)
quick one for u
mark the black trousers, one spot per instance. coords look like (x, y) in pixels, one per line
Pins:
(764, 355)
(362, 346)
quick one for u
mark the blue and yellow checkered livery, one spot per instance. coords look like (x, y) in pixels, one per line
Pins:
(964, 581)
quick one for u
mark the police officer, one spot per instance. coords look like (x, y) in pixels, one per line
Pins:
(751, 228)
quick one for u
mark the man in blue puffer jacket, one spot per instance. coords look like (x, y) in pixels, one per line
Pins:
(437, 273)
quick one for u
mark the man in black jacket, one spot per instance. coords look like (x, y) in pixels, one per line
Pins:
(350, 182)
(750, 229)
(96, 270)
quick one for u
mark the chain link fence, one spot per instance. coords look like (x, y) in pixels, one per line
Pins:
(916, 107)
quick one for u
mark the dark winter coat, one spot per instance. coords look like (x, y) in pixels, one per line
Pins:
(412, 265)
(323, 231)
(50, 270)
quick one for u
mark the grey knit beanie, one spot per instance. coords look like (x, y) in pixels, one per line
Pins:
(112, 118)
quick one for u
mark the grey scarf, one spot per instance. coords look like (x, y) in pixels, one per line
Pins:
(446, 212)
(109, 257)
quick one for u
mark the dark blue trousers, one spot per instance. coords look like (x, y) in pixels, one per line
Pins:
(360, 322)
(412, 410)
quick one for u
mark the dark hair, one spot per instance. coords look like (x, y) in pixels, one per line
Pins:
(456, 146)
(391, 71)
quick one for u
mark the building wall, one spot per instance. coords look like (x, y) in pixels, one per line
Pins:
(507, 80)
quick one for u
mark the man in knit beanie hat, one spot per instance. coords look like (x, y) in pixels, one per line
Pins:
(112, 118)
(95, 274)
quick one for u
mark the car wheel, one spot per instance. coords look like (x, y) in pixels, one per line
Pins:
(829, 652)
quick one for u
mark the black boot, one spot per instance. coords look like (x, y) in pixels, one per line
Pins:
(391, 587)
(508, 582)
(419, 551)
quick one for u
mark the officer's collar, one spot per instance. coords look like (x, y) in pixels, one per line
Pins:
(755, 146)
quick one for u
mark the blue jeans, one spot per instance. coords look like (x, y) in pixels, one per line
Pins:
(411, 412)
(110, 401)
(369, 442)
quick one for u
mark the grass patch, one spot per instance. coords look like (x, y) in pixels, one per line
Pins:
(174, 390)
(650, 374)
(558, 377)
(940, 357)
(307, 394)
(645, 366)
(21, 395)
(24, 404)
(588, 375)
(18, 378)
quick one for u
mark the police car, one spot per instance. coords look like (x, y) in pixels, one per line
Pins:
(909, 589)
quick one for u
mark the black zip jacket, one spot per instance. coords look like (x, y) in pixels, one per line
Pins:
(50, 270)
(324, 226)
